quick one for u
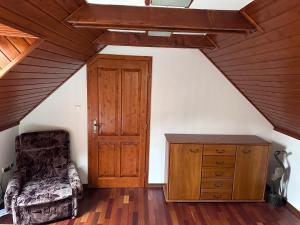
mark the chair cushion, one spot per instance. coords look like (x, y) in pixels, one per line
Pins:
(43, 163)
(44, 191)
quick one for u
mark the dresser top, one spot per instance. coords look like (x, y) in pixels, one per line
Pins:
(215, 139)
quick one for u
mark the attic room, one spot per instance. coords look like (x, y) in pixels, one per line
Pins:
(150, 112)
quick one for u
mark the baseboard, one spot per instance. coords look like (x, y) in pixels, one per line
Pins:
(293, 210)
(155, 185)
(86, 186)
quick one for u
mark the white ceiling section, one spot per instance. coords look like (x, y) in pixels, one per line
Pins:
(197, 4)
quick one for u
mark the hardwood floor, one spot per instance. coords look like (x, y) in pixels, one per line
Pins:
(139, 206)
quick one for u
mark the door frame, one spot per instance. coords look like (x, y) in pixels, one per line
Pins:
(91, 138)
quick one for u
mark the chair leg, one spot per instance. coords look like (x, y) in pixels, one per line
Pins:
(74, 207)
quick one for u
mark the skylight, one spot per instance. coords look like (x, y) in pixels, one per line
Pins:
(197, 4)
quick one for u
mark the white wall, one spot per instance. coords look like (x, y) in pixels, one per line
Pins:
(7, 148)
(66, 108)
(189, 95)
(292, 146)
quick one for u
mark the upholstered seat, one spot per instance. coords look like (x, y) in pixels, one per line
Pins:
(46, 185)
(44, 191)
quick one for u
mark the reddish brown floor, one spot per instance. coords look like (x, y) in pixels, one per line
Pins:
(147, 207)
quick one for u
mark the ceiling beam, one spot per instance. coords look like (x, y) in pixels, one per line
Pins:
(159, 18)
(143, 40)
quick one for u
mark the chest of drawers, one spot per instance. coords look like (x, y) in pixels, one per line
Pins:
(215, 167)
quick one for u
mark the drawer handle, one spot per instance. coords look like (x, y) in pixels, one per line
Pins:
(219, 174)
(194, 150)
(219, 185)
(246, 151)
(220, 162)
(217, 196)
(220, 151)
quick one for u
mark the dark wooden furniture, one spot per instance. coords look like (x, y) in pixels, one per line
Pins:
(215, 167)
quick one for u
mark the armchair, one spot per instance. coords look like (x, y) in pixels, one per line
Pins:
(46, 184)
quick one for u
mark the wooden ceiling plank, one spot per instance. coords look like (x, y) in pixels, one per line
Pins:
(21, 82)
(21, 102)
(27, 92)
(70, 6)
(48, 63)
(57, 49)
(56, 11)
(33, 13)
(158, 18)
(3, 90)
(3, 60)
(43, 32)
(21, 75)
(19, 43)
(11, 109)
(7, 48)
(5, 126)
(44, 54)
(18, 98)
(9, 31)
(18, 58)
(290, 133)
(142, 39)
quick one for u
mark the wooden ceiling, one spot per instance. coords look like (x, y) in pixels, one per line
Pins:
(63, 52)
(263, 65)
(13, 50)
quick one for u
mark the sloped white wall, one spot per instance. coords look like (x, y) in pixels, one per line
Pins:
(7, 150)
(189, 95)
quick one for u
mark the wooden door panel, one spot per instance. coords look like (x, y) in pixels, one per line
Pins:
(107, 160)
(129, 159)
(250, 172)
(118, 99)
(131, 96)
(108, 79)
(185, 171)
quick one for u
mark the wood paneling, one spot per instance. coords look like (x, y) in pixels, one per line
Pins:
(63, 51)
(11, 32)
(264, 65)
(12, 49)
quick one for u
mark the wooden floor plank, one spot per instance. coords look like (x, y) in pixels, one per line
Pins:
(139, 206)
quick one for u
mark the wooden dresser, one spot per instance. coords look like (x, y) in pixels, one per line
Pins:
(215, 167)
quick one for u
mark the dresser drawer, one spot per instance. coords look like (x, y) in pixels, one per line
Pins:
(219, 150)
(217, 172)
(215, 194)
(216, 184)
(221, 161)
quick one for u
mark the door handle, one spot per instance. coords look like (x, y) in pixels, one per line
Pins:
(96, 126)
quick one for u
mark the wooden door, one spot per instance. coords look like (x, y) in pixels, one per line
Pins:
(118, 109)
(185, 171)
(250, 172)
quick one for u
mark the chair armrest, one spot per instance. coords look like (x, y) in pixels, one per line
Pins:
(74, 180)
(12, 191)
